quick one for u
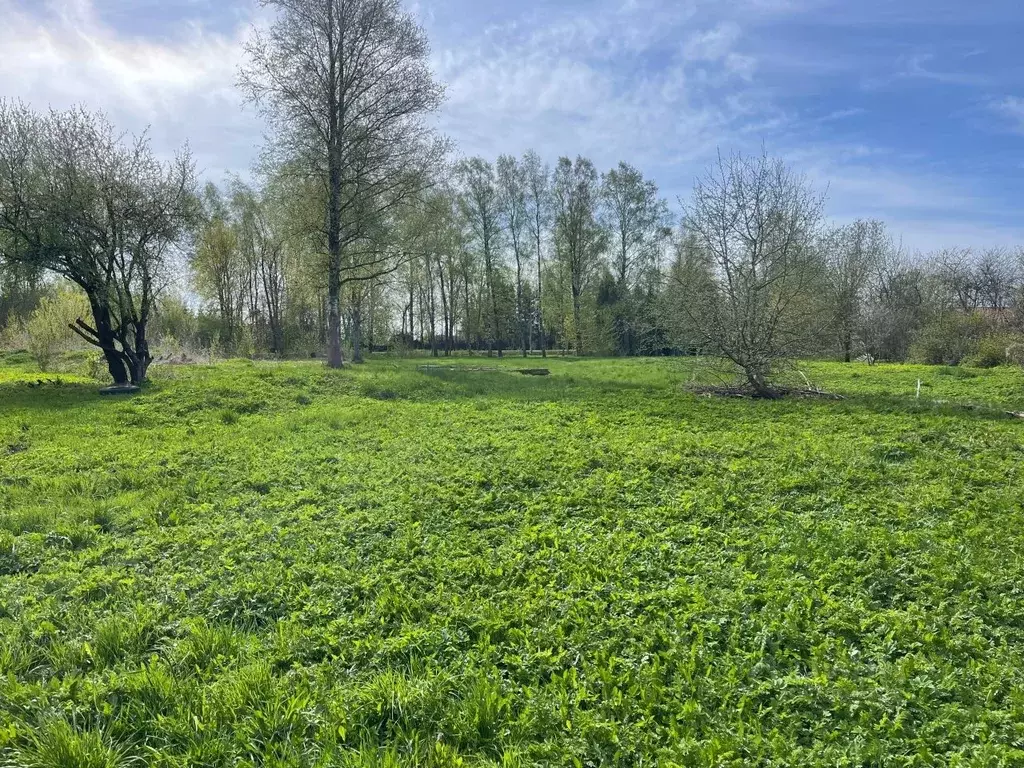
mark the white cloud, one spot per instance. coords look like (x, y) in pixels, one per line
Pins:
(713, 44)
(183, 88)
(659, 83)
(643, 81)
(928, 210)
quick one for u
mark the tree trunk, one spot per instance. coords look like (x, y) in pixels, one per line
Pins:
(116, 366)
(540, 305)
(103, 337)
(334, 163)
(140, 366)
(576, 318)
(520, 315)
(494, 305)
(357, 335)
(759, 383)
(334, 355)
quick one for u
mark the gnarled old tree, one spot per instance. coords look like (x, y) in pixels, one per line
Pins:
(346, 86)
(78, 200)
(757, 224)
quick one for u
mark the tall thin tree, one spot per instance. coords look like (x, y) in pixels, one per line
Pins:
(480, 206)
(538, 219)
(512, 190)
(346, 87)
(579, 238)
(637, 222)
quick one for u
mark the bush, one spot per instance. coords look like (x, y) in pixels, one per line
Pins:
(949, 340)
(994, 351)
(1015, 354)
(48, 328)
(175, 324)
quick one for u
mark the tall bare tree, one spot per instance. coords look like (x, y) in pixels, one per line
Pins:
(346, 87)
(637, 222)
(758, 222)
(538, 221)
(997, 277)
(79, 200)
(853, 254)
(512, 194)
(580, 240)
(955, 268)
(480, 204)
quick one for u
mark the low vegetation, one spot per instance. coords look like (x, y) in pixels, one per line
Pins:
(284, 565)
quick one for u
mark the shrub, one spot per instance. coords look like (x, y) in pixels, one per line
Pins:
(993, 351)
(176, 324)
(48, 328)
(14, 339)
(949, 340)
(1015, 353)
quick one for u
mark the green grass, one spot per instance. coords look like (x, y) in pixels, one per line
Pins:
(278, 565)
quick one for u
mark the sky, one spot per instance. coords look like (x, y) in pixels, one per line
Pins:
(910, 111)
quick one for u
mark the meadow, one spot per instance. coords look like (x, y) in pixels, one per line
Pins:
(274, 564)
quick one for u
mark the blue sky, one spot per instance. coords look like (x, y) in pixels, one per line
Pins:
(911, 111)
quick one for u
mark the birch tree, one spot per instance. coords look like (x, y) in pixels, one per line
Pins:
(479, 202)
(579, 238)
(637, 223)
(538, 222)
(512, 195)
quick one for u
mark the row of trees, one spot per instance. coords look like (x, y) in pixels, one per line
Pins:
(487, 257)
(518, 255)
(362, 233)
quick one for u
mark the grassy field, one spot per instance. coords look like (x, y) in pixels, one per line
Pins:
(278, 565)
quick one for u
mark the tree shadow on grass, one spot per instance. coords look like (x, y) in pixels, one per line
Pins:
(892, 405)
(509, 385)
(27, 396)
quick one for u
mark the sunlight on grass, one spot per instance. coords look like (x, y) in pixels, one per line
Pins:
(276, 564)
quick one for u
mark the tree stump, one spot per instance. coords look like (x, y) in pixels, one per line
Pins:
(120, 389)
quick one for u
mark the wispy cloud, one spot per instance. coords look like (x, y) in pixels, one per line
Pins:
(920, 67)
(663, 84)
(642, 81)
(1011, 108)
(842, 114)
